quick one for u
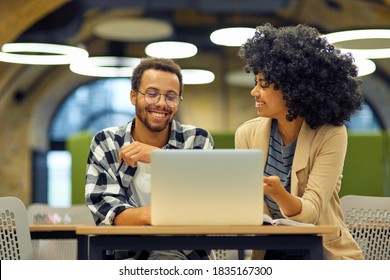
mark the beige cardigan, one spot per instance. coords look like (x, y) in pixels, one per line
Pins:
(315, 178)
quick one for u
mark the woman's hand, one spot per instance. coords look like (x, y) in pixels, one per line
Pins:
(289, 204)
(273, 186)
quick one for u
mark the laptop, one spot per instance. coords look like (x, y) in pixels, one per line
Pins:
(207, 187)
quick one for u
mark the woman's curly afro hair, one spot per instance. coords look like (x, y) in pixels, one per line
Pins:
(318, 81)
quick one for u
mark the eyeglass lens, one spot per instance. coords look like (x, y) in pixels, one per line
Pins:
(153, 97)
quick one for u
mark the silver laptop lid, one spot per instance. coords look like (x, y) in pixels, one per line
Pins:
(207, 187)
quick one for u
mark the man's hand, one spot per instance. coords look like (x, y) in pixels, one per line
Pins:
(134, 152)
(133, 217)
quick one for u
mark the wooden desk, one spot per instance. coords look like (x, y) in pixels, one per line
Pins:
(103, 238)
(61, 232)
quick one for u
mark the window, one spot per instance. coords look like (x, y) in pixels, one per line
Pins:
(59, 178)
(364, 120)
(94, 106)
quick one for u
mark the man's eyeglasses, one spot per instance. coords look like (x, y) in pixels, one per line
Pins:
(152, 97)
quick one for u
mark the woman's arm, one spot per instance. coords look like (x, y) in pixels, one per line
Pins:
(288, 204)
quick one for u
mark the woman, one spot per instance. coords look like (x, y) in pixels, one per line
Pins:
(305, 90)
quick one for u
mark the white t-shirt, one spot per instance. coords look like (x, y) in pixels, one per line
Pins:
(141, 185)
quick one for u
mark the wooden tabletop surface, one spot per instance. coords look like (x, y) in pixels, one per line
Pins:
(195, 230)
(57, 227)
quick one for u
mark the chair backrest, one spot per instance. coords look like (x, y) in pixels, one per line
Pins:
(15, 239)
(221, 254)
(57, 249)
(368, 220)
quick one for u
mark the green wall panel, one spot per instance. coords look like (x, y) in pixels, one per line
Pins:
(78, 145)
(364, 170)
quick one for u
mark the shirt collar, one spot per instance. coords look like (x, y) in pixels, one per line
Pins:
(172, 143)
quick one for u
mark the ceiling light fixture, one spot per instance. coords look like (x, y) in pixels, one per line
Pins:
(49, 54)
(105, 66)
(171, 49)
(133, 29)
(232, 37)
(365, 66)
(366, 43)
(197, 76)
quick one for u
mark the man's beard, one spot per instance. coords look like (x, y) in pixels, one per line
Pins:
(145, 121)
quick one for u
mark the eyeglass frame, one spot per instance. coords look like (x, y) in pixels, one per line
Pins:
(159, 98)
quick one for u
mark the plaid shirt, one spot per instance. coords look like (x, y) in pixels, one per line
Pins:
(108, 193)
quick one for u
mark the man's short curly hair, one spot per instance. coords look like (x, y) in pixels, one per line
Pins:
(163, 64)
(319, 83)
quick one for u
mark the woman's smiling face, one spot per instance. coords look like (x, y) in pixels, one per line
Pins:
(269, 101)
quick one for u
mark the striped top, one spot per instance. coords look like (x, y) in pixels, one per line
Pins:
(279, 163)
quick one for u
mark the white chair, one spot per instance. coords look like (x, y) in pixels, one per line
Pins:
(15, 236)
(225, 254)
(368, 220)
(57, 249)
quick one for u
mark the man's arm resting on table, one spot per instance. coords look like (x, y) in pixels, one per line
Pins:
(133, 217)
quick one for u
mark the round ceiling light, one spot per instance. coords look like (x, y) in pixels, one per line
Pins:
(365, 66)
(133, 29)
(171, 49)
(105, 66)
(232, 37)
(367, 43)
(41, 53)
(197, 76)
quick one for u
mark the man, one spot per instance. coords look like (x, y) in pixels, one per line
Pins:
(118, 168)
